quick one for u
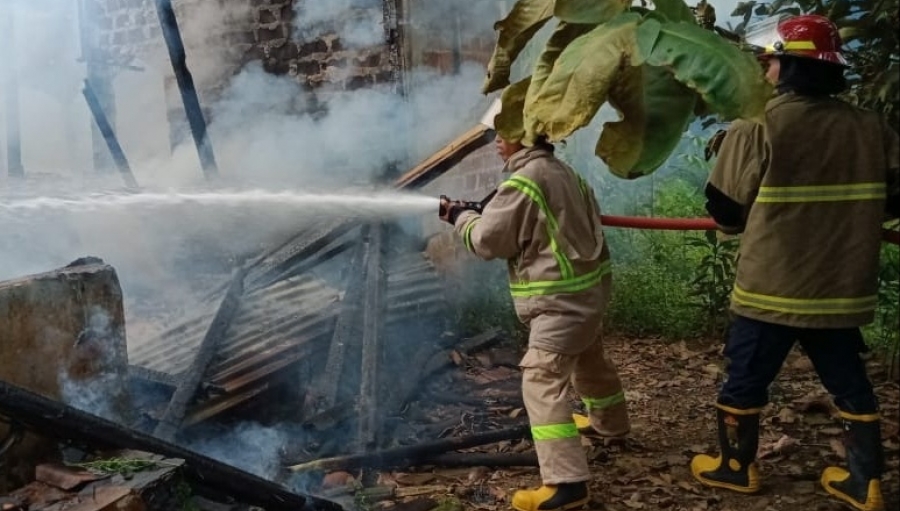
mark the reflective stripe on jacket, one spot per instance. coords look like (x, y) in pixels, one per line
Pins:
(813, 182)
(545, 221)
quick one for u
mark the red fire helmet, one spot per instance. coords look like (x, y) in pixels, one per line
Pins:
(809, 36)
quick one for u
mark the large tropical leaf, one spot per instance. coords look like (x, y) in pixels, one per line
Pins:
(656, 109)
(590, 11)
(564, 34)
(730, 81)
(580, 80)
(508, 123)
(515, 30)
(675, 10)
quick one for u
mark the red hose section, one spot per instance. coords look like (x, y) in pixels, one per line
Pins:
(692, 224)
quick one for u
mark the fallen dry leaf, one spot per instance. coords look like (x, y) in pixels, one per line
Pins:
(783, 445)
(838, 447)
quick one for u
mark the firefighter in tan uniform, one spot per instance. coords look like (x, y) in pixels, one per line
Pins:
(545, 221)
(809, 188)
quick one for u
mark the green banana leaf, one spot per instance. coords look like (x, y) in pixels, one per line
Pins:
(730, 81)
(524, 20)
(580, 80)
(564, 34)
(675, 10)
(589, 11)
(656, 109)
(508, 123)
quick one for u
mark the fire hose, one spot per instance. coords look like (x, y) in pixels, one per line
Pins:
(640, 222)
(695, 224)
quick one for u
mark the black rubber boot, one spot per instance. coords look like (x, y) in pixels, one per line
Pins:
(551, 497)
(859, 485)
(734, 469)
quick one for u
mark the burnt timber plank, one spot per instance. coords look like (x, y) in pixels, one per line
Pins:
(442, 161)
(171, 420)
(325, 391)
(57, 420)
(410, 455)
(373, 312)
(109, 135)
(175, 46)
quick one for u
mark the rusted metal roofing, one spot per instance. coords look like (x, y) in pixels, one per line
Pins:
(286, 313)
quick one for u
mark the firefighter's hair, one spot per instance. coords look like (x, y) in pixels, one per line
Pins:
(810, 77)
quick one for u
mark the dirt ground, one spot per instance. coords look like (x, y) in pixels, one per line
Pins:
(671, 388)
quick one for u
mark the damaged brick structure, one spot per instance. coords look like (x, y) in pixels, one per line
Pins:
(236, 32)
(315, 55)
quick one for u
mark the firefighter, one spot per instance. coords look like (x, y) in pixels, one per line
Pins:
(545, 222)
(809, 188)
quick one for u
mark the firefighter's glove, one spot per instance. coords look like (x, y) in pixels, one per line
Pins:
(449, 209)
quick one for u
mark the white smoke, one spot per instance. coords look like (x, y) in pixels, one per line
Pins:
(356, 21)
(251, 447)
(267, 132)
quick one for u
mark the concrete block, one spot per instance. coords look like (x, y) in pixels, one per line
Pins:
(62, 335)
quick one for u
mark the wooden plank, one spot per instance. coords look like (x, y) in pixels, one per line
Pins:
(171, 421)
(443, 160)
(56, 420)
(373, 313)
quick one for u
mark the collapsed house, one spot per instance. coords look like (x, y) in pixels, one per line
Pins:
(308, 331)
(336, 332)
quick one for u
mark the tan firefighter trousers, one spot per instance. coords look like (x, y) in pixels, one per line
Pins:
(545, 380)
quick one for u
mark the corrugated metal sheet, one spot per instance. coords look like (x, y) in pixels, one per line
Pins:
(276, 325)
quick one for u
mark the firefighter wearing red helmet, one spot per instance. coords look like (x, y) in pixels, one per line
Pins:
(808, 188)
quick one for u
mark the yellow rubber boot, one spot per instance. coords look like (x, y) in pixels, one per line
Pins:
(859, 484)
(583, 423)
(551, 497)
(735, 469)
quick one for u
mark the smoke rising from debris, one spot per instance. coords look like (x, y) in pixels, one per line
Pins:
(261, 126)
(267, 131)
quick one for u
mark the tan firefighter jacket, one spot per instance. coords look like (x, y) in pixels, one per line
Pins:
(813, 183)
(545, 221)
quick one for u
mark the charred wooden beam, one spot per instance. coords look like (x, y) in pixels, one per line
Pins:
(442, 161)
(189, 97)
(392, 37)
(411, 454)
(373, 313)
(298, 254)
(109, 135)
(326, 390)
(174, 415)
(57, 420)
(484, 459)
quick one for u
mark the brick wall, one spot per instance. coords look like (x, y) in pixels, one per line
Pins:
(244, 31)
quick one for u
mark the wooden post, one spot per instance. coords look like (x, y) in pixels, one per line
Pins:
(10, 82)
(175, 45)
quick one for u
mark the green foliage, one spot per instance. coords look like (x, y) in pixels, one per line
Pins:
(123, 466)
(656, 109)
(185, 496)
(658, 68)
(884, 334)
(714, 279)
(525, 19)
(650, 299)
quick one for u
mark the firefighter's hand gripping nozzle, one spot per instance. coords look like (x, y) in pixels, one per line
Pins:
(449, 209)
